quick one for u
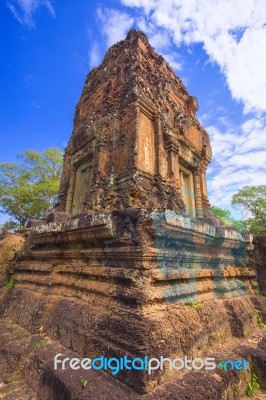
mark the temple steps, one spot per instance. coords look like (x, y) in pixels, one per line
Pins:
(27, 373)
(17, 390)
(132, 285)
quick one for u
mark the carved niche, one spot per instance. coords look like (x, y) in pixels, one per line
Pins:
(182, 122)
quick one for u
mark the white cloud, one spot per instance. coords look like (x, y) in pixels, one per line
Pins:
(239, 159)
(94, 55)
(232, 32)
(162, 43)
(114, 24)
(173, 60)
(160, 40)
(24, 10)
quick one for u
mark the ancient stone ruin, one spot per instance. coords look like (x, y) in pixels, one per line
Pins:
(131, 261)
(136, 141)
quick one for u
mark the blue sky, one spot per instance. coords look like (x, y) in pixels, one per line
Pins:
(217, 47)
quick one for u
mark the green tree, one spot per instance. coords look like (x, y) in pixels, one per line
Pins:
(253, 200)
(227, 218)
(8, 226)
(28, 189)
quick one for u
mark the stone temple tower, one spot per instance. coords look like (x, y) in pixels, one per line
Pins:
(132, 240)
(136, 141)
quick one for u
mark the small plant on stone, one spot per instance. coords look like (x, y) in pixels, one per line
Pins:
(253, 385)
(78, 248)
(195, 305)
(222, 366)
(259, 319)
(84, 383)
(40, 344)
(11, 284)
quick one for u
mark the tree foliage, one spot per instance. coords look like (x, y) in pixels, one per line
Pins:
(8, 226)
(28, 189)
(227, 218)
(253, 200)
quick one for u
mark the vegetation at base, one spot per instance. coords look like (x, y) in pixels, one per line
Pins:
(78, 248)
(84, 383)
(40, 344)
(11, 284)
(253, 385)
(222, 366)
(194, 304)
(29, 188)
(259, 319)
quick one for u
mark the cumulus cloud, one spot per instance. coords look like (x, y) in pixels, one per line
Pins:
(94, 55)
(114, 24)
(24, 10)
(239, 158)
(162, 43)
(232, 33)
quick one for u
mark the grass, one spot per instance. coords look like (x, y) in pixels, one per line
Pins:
(259, 319)
(84, 383)
(40, 344)
(78, 248)
(222, 366)
(195, 305)
(11, 284)
(253, 385)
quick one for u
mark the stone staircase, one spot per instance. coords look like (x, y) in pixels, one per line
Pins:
(27, 373)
